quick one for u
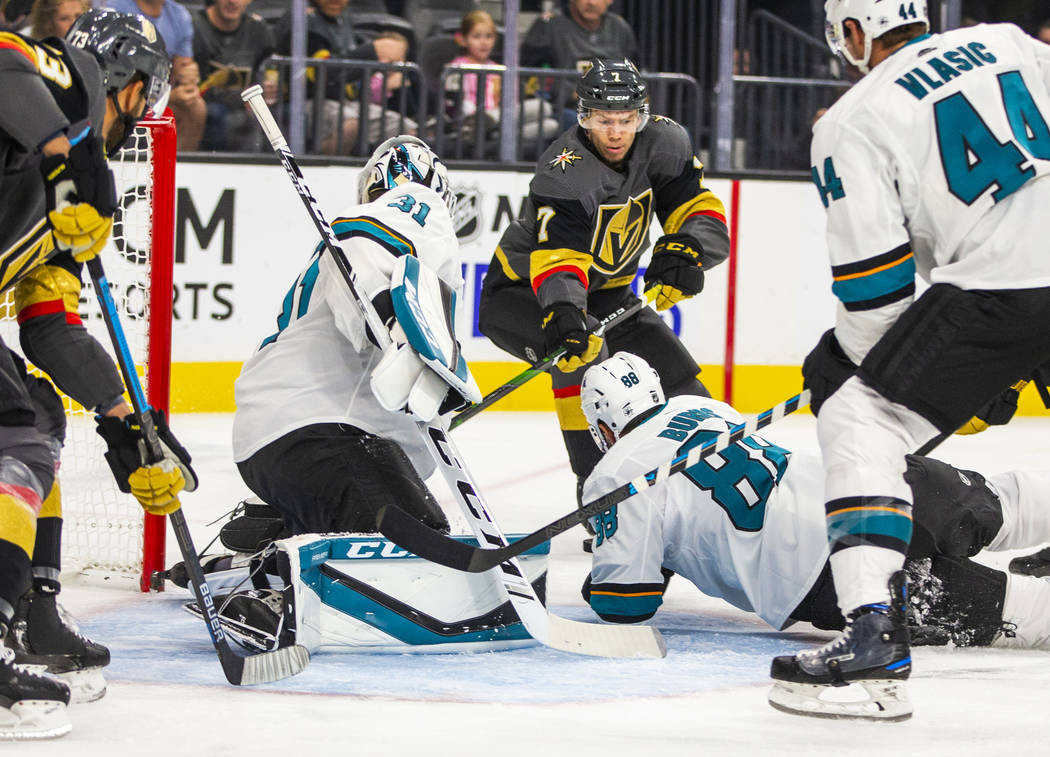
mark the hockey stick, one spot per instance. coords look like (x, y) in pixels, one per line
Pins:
(424, 542)
(560, 633)
(544, 365)
(256, 668)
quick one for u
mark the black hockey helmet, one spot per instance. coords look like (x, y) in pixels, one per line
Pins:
(125, 46)
(612, 84)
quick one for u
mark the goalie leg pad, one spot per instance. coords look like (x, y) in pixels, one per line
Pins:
(366, 594)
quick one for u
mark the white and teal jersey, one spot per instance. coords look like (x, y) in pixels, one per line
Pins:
(315, 366)
(933, 163)
(745, 524)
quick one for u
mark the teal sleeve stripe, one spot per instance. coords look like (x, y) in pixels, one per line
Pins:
(859, 522)
(377, 231)
(878, 284)
(643, 606)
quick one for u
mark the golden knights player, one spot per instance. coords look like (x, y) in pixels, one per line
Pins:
(63, 104)
(570, 258)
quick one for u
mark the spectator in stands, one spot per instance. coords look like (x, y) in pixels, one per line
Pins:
(228, 45)
(14, 14)
(175, 27)
(477, 37)
(385, 84)
(52, 18)
(329, 34)
(561, 41)
(1043, 32)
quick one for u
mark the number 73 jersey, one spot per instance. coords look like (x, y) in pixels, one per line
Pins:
(745, 524)
(934, 163)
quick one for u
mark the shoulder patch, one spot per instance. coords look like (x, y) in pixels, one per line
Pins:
(565, 159)
(664, 120)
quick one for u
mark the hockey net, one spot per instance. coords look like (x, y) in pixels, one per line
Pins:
(105, 533)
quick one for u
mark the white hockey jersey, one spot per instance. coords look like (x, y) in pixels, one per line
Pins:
(935, 163)
(745, 524)
(315, 367)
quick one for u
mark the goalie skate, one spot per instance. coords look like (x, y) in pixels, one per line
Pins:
(859, 675)
(254, 618)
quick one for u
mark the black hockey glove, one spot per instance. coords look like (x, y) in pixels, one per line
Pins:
(825, 369)
(81, 198)
(565, 325)
(128, 456)
(675, 269)
(997, 412)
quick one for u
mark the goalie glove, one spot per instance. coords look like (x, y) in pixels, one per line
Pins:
(402, 382)
(81, 198)
(675, 270)
(154, 483)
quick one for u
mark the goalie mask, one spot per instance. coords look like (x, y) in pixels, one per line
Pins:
(875, 18)
(618, 391)
(401, 160)
(611, 85)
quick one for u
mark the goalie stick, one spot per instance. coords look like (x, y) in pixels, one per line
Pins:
(256, 668)
(424, 542)
(544, 365)
(559, 633)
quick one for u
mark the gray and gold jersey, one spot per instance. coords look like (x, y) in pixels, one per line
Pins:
(588, 219)
(45, 88)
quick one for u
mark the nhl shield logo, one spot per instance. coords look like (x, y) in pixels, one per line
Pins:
(467, 218)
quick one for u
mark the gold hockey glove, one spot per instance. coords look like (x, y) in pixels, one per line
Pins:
(157, 487)
(81, 198)
(565, 325)
(675, 270)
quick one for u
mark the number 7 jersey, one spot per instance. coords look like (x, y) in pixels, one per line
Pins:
(933, 163)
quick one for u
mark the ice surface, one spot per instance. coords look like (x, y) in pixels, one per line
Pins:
(167, 694)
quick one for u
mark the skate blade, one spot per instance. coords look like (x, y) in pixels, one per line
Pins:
(34, 719)
(87, 685)
(862, 700)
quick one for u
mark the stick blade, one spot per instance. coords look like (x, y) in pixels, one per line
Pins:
(274, 666)
(597, 640)
(412, 536)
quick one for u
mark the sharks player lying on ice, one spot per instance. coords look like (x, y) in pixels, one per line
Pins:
(746, 524)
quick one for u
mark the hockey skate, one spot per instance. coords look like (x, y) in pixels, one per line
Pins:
(859, 675)
(42, 638)
(32, 705)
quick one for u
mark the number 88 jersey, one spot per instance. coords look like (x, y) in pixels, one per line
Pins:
(745, 524)
(932, 164)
